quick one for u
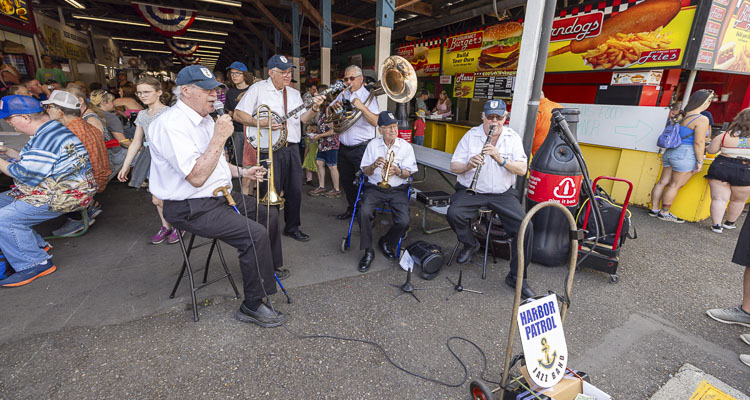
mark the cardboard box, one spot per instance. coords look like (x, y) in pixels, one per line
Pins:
(567, 389)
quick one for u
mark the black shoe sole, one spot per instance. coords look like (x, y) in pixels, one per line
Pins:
(242, 317)
(299, 239)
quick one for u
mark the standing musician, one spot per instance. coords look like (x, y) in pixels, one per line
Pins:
(277, 93)
(187, 167)
(353, 140)
(501, 160)
(402, 165)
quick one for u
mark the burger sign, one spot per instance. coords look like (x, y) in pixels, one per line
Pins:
(496, 48)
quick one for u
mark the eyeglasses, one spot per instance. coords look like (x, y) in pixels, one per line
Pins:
(494, 117)
(284, 73)
(351, 78)
(146, 93)
(236, 73)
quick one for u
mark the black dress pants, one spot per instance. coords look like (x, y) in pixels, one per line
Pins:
(464, 208)
(212, 217)
(741, 254)
(374, 197)
(349, 159)
(287, 176)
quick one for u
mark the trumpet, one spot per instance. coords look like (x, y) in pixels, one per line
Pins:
(387, 170)
(271, 198)
(472, 190)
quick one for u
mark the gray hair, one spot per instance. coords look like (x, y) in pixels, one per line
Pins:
(177, 91)
(354, 68)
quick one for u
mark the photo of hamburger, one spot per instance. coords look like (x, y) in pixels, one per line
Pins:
(501, 47)
(726, 55)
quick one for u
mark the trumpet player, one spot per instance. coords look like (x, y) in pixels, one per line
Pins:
(502, 158)
(388, 162)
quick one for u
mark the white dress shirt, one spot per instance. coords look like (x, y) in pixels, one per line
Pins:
(178, 137)
(361, 131)
(493, 178)
(403, 157)
(264, 92)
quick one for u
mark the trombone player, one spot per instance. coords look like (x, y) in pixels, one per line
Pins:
(388, 162)
(502, 158)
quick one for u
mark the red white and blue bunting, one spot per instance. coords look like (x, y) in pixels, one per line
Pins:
(190, 60)
(180, 47)
(167, 21)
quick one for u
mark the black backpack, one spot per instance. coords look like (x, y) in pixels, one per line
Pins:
(610, 212)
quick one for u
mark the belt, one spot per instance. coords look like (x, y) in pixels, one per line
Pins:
(354, 147)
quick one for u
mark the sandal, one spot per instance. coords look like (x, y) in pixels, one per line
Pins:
(317, 191)
(332, 193)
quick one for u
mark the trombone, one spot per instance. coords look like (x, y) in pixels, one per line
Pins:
(387, 170)
(271, 198)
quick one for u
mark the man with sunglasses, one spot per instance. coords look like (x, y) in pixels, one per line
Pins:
(354, 140)
(52, 175)
(277, 93)
(502, 159)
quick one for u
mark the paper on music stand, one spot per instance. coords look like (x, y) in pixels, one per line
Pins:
(406, 262)
(591, 390)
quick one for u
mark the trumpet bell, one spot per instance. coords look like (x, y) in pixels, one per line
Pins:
(399, 79)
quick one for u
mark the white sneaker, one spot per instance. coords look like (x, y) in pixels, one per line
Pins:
(745, 359)
(717, 228)
(745, 337)
(730, 225)
(670, 217)
(731, 315)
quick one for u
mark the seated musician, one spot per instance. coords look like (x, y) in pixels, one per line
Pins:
(502, 159)
(187, 168)
(402, 166)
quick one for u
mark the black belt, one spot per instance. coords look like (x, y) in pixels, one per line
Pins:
(354, 147)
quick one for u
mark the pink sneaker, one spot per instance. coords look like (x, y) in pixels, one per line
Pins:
(161, 235)
(174, 237)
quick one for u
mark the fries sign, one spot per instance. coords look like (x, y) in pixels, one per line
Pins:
(725, 45)
(543, 340)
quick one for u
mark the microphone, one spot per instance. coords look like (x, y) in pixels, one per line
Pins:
(219, 107)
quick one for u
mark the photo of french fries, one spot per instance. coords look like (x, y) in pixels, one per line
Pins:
(622, 50)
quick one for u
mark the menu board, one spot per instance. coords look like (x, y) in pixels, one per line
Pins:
(424, 56)
(725, 45)
(613, 34)
(464, 86)
(494, 87)
(494, 49)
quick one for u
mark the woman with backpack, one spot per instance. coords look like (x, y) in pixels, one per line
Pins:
(681, 162)
(729, 174)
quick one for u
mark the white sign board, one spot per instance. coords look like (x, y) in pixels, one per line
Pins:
(543, 340)
(624, 127)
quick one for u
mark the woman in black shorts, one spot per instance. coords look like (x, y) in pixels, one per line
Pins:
(729, 174)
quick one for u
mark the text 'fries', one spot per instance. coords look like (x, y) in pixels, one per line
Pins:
(624, 49)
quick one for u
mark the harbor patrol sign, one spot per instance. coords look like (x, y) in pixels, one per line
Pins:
(543, 340)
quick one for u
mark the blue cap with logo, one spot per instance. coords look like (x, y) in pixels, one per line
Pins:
(386, 118)
(280, 62)
(238, 66)
(17, 104)
(496, 107)
(198, 75)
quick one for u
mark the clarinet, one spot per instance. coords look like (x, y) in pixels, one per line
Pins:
(472, 190)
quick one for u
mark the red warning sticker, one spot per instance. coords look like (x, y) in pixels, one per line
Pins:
(563, 189)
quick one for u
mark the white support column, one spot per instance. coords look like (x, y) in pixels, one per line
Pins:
(382, 51)
(325, 65)
(532, 27)
(295, 74)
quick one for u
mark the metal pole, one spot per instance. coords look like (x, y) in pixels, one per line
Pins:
(689, 87)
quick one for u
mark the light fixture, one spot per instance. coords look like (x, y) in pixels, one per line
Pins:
(200, 50)
(210, 47)
(151, 51)
(220, 33)
(214, 19)
(232, 3)
(137, 40)
(200, 40)
(110, 20)
(76, 4)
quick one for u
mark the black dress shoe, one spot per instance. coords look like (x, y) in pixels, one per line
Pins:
(263, 316)
(526, 290)
(466, 253)
(386, 249)
(364, 263)
(282, 273)
(345, 215)
(298, 236)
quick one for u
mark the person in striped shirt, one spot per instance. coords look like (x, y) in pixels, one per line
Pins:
(52, 176)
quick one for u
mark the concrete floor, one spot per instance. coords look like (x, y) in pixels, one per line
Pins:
(102, 326)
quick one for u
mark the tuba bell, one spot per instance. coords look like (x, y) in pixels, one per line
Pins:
(398, 81)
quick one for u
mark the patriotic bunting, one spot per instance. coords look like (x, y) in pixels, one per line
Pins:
(181, 48)
(190, 60)
(167, 21)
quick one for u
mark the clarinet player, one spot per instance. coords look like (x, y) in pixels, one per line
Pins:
(502, 158)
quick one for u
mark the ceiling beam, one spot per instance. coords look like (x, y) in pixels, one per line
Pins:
(342, 19)
(260, 35)
(274, 21)
(311, 11)
(417, 7)
(250, 43)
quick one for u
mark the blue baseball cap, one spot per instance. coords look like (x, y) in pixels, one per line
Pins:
(198, 75)
(386, 118)
(495, 106)
(17, 104)
(280, 62)
(238, 66)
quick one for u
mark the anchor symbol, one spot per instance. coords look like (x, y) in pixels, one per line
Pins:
(547, 362)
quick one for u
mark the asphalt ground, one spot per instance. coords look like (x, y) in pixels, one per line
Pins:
(102, 326)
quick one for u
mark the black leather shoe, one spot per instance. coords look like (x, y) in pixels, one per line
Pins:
(263, 316)
(298, 236)
(386, 249)
(345, 215)
(466, 253)
(364, 263)
(282, 273)
(526, 290)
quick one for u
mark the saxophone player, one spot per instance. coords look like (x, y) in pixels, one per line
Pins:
(502, 158)
(388, 162)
